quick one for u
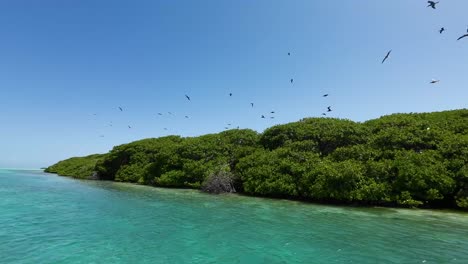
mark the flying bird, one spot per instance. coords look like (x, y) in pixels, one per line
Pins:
(292, 80)
(324, 114)
(464, 36)
(230, 94)
(188, 97)
(251, 104)
(129, 127)
(441, 30)
(434, 81)
(272, 112)
(165, 128)
(159, 113)
(329, 109)
(272, 117)
(120, 109)
(289, 53)
(386, 56)
(263, 116)
(432, 4)
(228, 124)
(169, 113)
(325, 95)
(186, 117)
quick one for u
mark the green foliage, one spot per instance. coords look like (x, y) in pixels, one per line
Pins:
(405, 160)
(79, 167)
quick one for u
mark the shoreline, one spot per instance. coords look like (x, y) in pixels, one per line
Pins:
(290, 199)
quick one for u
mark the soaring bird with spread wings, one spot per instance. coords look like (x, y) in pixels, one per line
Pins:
(432, 4)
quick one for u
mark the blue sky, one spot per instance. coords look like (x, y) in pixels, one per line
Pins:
(64, 61)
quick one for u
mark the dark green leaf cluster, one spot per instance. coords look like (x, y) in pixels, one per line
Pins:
(78, 167)
(410, 160)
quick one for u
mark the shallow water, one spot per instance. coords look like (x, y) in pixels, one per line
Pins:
(49, 219)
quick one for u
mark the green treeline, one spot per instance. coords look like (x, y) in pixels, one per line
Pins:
(410, 160)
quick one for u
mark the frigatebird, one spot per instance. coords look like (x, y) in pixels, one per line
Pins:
(435, 81)
(464, 36)
(441, 30)
(159, 113)
(263, 116)
(230, 94)
(432, 4)
(325, 95)
(188, 97)
(272, 112)
(129, 127)
(289, 53)
(120, 109)
(329, 109)
(186, 117)
(292, 80)
(324, 114)
(386, 56)
(251, 104)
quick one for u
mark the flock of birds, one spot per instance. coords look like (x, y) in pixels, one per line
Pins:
(431, 4)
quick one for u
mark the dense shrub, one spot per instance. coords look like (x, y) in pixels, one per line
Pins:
(402, 159)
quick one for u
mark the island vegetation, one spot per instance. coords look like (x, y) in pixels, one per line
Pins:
(406, 160)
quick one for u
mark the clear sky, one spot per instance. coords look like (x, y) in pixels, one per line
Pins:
(66, 66)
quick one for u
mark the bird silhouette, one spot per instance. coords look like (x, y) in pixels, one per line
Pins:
(272, 117)
(292, 80)
(159, 113)
(463, 36)
(228, 124)
(186, 117)
(230, 94)
(329, 109)
(325, 95)
(252, 104)
(289, 53)
(432, 4)
(263, 116)
(165, 128)
(441, 30)
(386, 56)
(120, 109)
(272, 112)
(188, 97)
(434, 81)
(324, 114)
(169, 113)
(129, 127)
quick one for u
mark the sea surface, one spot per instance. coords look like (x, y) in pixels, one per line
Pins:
(45, 218)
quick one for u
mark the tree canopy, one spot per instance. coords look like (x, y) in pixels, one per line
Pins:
(410, 160)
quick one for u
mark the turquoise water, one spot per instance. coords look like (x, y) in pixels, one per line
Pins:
(49, 219)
